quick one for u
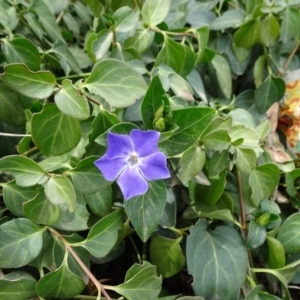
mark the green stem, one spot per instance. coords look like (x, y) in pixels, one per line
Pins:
(74, 76)
(136, 250)
(14, 134)
(85, 269)
(156, 29)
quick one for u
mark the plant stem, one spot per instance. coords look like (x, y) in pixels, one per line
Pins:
(156, 29)
(97, 284)
(242, 204)
(29, 151)
(287, 62)
(74, 76)
(14, 134)
(136, 250)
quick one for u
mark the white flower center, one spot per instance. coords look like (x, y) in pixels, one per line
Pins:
(133, 160)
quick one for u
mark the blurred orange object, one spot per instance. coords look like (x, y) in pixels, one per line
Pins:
(289, 116)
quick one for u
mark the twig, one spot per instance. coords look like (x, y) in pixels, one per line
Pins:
(287, 62)
(14, 134)
(29, 151)
(97, 284)
(242, 203)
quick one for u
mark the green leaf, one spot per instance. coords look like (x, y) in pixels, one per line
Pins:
(268, 30)
(259, 69)
(15, 236)
(212, 193)
(141, 40)
(54, 125)
(61, 283)
(220, 71)
(210, 256)
(263, 181)
(191, 163)
(34, 25)
(26, 171)
(103, 235)
(245, 160)
(155, 11)
(290, 26)
(73, 221)
(230, 18)
(167, 255)
(22, 50)
(100, 202)
(14, 196)
(256, 235)
(38, 85)
(115, 81)
(288, 234)
(154, 99)
(179, 57)
(40, 210)
(191, 122)
(141, 282)
(17, 286)
(247, 35)
(71, 103)
(126, 19)
(218, 163)
(99, 44)
(60, 190)
(145, 211)
(86, 178)
(276, 254)
(83, 12)
(218, 140)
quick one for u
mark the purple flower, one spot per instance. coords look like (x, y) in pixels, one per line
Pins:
(132, 160)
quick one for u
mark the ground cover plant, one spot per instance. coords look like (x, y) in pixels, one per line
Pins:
(149, 149)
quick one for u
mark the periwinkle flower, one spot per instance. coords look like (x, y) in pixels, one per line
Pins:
(133, 160)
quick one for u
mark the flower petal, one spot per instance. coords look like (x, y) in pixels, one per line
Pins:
(119, 145)
(144, 142)
(111, 168)
(132, 183)
(154, 166)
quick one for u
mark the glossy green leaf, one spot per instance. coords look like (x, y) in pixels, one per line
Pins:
(22, 50)
(218, 163)
(75, 220)
(221, 72)
(145, 211)
(179, 57)
(15, 236)
(269, 92)
(263, 181)
(103, 235)
(26, 171)
(38, 85)
(247, 35)
(211, 194)
(83, 12)
(63, 283)
(230, 18)
(141, 282)
(14, 196)
(290, 26)
(218, 140)
(71, 103)
(155, 11)
(256, 235)
(100, 44)
(53, 124)
(268, 30)
(140, 41)
(154, 99)
(259, 69)
(115, 81)
(86, 178)
(126, 19)
(210, 256)
(276, 254)
(60, 190)
(191, 163)
(40, 210)
(17, 286)
(100, 202)
(288, 234)
(245, 160)
(167, 255)
(196, 83)
(192, 122)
